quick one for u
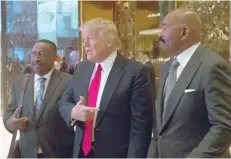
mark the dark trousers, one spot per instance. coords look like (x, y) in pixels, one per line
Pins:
(40, 155)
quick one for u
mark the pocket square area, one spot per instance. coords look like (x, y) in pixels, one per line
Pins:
(189, 90)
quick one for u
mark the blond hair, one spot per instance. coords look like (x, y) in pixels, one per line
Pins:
(107, 29)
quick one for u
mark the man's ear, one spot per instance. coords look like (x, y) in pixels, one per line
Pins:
(185, 31)
(109, 44)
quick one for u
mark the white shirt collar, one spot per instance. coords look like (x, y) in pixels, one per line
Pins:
(108, 62)
(185, 56)
(47, 76)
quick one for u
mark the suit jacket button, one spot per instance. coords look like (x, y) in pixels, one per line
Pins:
(97, 129)
(161, 137)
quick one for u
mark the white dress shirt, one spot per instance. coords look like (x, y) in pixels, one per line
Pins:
(36, 85)
(106, 68)
(184, 57)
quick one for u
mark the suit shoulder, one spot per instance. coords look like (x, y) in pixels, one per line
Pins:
(134, 65)
(19, 79)
(149, 64)
(210, 58)
(213, 63)
(83, 63)
(65, 76)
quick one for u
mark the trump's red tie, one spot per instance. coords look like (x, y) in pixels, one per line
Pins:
(91, 102)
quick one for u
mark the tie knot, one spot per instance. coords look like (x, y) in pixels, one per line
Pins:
(99, 68)
(41, 79)
(175, 63)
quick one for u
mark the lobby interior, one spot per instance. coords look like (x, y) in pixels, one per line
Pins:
(138, 23)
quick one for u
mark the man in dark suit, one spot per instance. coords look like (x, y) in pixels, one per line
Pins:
(144, 57)
(109, 98)
(43, 132)
(193, 101)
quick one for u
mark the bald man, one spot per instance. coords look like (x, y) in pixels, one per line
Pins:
(194, 96)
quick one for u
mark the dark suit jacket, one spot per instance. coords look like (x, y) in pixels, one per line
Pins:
(50, 130)
(152, 152)
(197, 122)
(150, 66)
(123, 125)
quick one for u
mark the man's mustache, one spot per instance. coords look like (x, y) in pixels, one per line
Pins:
(161, 39)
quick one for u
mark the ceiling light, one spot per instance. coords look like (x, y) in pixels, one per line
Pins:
(150, 31)
(153, 15)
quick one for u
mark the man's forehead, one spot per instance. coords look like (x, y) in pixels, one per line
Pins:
(90, 32)
(41, 45)
(171, 19)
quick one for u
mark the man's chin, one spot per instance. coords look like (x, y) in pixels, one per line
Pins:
(37, 68)
(165, 50)
(40, 72)
(161, 44)
(90, 58)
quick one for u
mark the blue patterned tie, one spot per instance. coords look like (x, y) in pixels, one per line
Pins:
(39, 97)
(170, 81)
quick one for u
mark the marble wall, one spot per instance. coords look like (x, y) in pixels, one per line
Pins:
(125, 21)
(215, 18)
(229, 32)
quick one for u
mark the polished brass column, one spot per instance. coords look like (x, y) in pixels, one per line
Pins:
(125, 20)
(215, 18)
(82, 55)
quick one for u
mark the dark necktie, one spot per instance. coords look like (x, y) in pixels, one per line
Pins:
(170, 82)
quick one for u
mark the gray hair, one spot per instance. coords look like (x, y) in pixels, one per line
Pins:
(107, 29)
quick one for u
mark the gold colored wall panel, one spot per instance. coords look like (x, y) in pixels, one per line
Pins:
(91, 11)
(142, 22)
(145, 43)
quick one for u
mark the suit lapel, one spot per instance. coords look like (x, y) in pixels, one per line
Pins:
(163, 76)
(29, 96)
(114, 77)
(85, 80)
(52, 85)
(181, 84)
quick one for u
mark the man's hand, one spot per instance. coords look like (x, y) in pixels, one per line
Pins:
(17, 123)
(81, 112)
